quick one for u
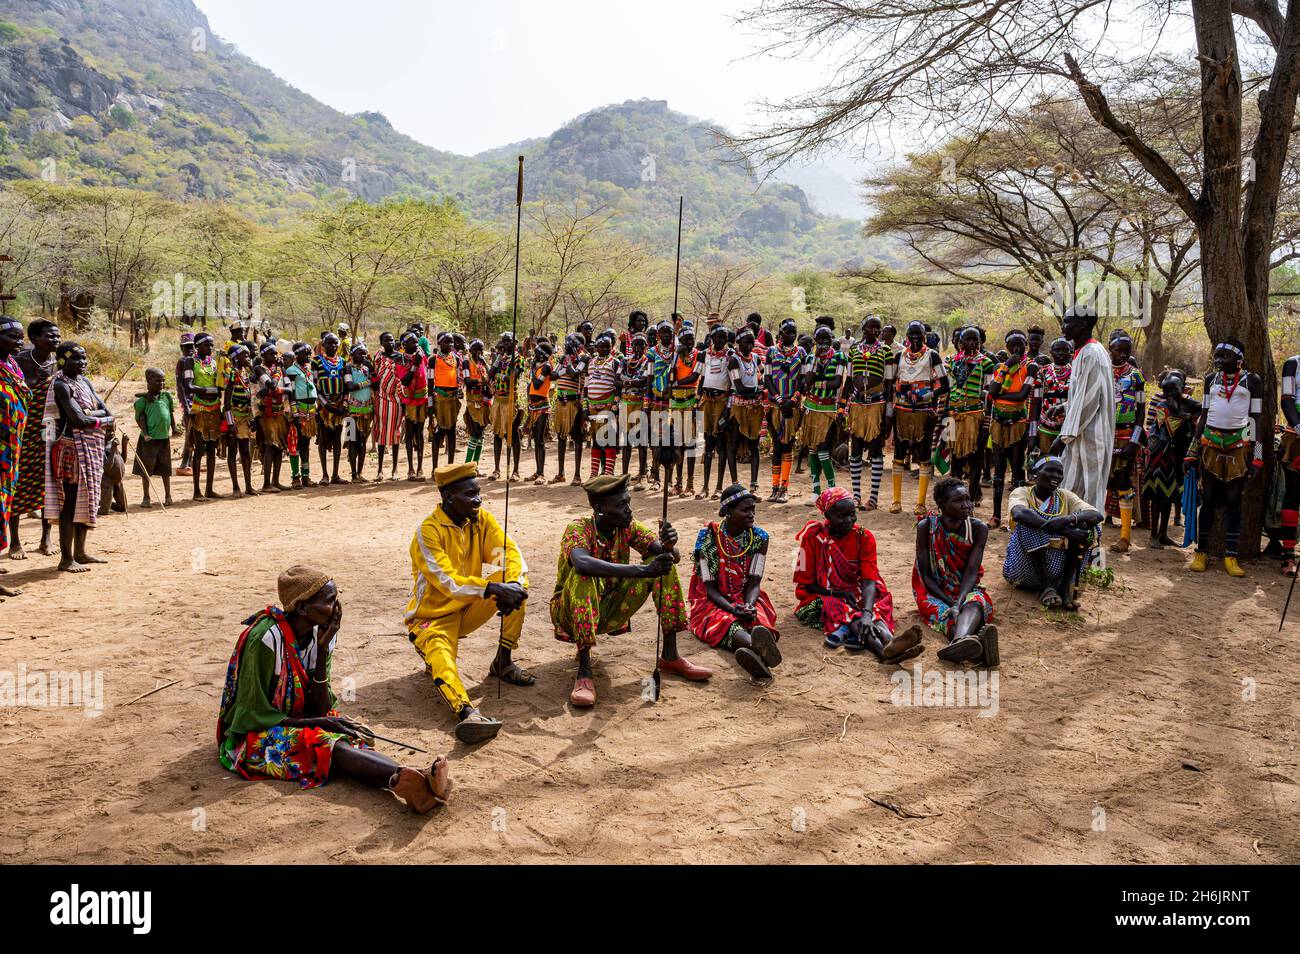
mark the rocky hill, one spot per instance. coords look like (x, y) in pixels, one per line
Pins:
(141, 93)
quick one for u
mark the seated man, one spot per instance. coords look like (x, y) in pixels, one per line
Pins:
(451, 597)
(277, 717)
(839, 587)
(598, 591)
(946, 576)
(1054, 530)
(728, 608)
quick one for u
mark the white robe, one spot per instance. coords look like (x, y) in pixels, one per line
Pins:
(1089, 427)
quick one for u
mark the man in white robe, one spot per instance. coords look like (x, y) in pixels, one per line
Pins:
(1088, 432)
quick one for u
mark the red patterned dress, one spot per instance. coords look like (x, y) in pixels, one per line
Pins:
(729, 561)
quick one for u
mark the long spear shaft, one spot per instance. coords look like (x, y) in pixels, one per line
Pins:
(514, 392)
(1289, 594)
(668, 455)
(677, 275)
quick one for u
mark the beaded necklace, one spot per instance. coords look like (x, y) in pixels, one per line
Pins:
(744, 542)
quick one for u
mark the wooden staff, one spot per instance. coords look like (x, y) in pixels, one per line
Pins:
(667, 455)
(514, 393)
(116, 383)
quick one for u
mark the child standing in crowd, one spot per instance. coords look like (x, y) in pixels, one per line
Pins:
(155, 412)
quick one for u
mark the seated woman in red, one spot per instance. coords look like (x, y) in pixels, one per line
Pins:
(838, 584)
(728, 610)
(946, 576)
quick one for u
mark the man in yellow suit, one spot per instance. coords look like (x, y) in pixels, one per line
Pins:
(451, 597)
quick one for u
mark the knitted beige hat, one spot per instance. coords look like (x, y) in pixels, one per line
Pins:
(299, 584)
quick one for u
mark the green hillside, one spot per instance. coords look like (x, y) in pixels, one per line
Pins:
(141, 94)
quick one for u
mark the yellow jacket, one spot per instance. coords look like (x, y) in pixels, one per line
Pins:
(447, 563)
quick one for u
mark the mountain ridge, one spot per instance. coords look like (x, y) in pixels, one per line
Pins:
(142, 93)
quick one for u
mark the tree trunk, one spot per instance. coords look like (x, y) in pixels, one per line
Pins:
(1153, 349)
(1235, 285)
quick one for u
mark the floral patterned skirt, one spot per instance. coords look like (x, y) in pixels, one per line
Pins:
(290, 753)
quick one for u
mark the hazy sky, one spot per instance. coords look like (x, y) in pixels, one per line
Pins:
(468, 75)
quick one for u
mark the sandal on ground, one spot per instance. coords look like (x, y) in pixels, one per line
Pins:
(584, 692)
(1050, 599)
(477, 728)
(765, 645)
(495, 475)
(835, 639)
(962, 650)
(514, 674)
(989, 640)
(752, 663)
(557, 479)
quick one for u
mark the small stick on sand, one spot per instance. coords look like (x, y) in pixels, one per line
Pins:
(152, 691)
(806, 738)
(844, 728)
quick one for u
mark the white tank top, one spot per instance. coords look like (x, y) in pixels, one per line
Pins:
(716, 377)
(1230, 412)
(748, 370)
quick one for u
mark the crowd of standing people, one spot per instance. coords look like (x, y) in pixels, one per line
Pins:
(1063, 433)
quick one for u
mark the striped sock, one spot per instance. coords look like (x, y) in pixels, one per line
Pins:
(828, 468)
(855, 472)
(596, 456)
(786, 466)
(815, 468)
(877, 475)
(611, 454)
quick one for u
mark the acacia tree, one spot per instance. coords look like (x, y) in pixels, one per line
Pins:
(1038, 207)
(456, 275)
(719, 285)
(125, 237)
(562, 244)
(963, 63)
(353, 258)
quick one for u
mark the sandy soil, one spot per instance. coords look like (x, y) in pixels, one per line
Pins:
(1130, 720)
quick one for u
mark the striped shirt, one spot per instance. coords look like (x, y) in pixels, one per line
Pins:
(868, 361)
(828, 369)
(785, 367)
(968, 376)
(602, 379)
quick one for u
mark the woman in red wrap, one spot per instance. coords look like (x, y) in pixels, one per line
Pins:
(839, 586)
(728, 608)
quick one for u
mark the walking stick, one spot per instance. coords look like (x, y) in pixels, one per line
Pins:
(514, 394)
(116, 383)
(1289, 593)
(370, 733)
(147, 476)
(667, 456)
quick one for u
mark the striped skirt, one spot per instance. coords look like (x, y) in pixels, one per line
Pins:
(389, 421)
(76, 459)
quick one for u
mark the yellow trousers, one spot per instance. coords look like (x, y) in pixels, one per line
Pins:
(437, 640)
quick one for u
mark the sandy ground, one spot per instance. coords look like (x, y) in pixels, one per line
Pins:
(1130, 735)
